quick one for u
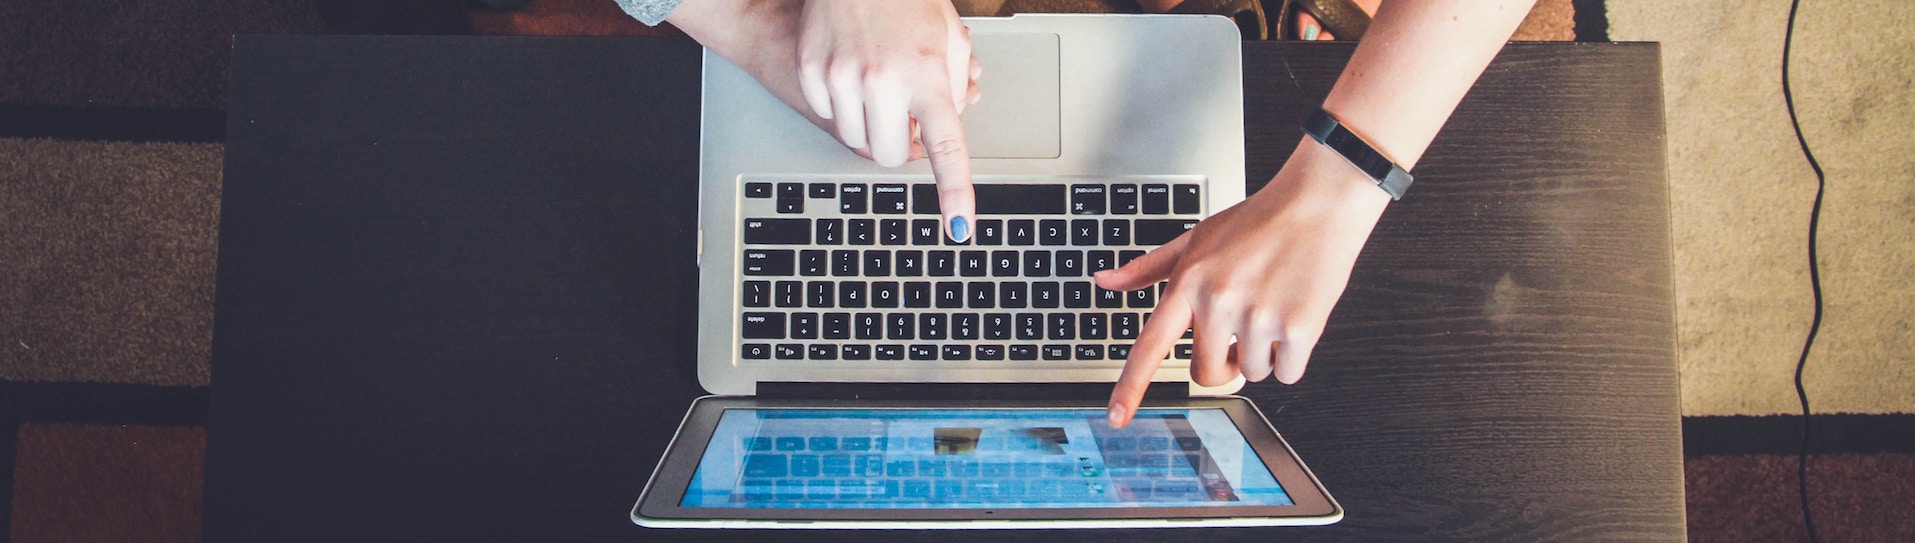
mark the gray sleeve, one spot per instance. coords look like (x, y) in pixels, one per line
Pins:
(650, 12)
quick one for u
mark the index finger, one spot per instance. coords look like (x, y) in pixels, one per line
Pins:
(942, 133)
(1153, 345)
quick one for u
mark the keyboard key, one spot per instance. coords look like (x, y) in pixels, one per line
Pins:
(1052, 232)
(804, 326)
(777, 231)
(851, 200)
(1124, 257)
(1182, 351)
(1123, 199)
(830, 231)
(1092, 326)
(884, 294)
(1012, 295)
(757, 294)
(1020, 199)
(1023, 352)
(925, 232)
(1159, 231)
(910, 263)
(1084, 232)
(1070, 263)
(1116, 232)
(990, 352)
(823, 190)
(932, 325)
(888, 199)
(990, 232)
(1087, 199)
(1109, 299)
(877, 263)
(756, 351)
(766, 465)
(1143, 298)
(1090, 352)
(824, 352)
(899, 326)
(957, 352)
(1037, 263)
(773, 262)
(822, 444)
(811, 262)
(1117, 352)
(1096, 261)
(1004, 263)
(838, 326)
(791, 198)
(786, 294)
(924, 199)
(757, 190)
(867, 325)
(834, 465)
(1186, 200)
(890, 352)
(1057, 352)
(943, 263)
(844, 263)
(789, 351)
(1062, 325)
(1156, 199)
(964, 326)
(924, 352)
(862, 232)
(972, 264)
(820, 294)
(851, 294)
(997, 326)
(1046, 295)
(980, 295)
(857, 352)
(1022, 232)
(1030, 326)
(893, 232)
(1077, 294)
(1124, 326)
(917, 295)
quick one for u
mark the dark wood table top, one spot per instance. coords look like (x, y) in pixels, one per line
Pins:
(456, 302)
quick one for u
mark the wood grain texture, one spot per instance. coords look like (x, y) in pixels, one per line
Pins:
(455, 300)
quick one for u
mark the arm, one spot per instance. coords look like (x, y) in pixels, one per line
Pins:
(888, 79)
(1267, 271)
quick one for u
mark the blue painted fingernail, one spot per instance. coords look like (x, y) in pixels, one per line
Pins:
(1310, 32)
(960, 229)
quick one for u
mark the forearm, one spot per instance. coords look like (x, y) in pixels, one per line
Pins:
(760, 36)
(1414, 65)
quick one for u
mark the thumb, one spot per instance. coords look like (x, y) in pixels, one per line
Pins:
(1146, 270)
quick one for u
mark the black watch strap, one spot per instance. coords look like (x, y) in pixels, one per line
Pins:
(1388, 176)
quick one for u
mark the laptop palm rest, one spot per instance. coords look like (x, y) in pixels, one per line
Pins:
(1018, 114)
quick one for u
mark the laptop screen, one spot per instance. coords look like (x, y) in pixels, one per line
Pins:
(978, 458)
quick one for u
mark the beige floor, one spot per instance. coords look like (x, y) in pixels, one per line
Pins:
(1741, 195)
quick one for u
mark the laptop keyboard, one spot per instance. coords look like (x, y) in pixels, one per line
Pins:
(836, 271)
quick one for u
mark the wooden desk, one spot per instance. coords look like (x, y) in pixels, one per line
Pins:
(455, 300)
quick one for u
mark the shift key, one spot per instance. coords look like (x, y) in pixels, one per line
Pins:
(1158, 231)
(769, 261)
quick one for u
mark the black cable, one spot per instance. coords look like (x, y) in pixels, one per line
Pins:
(1815, 277)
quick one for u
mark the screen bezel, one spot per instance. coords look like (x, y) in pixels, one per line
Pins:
(658, 505)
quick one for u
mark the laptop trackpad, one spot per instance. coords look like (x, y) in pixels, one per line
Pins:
(1018, 115)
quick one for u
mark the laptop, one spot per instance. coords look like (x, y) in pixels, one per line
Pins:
(866, 371)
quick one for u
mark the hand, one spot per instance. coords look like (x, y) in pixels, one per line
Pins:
(886, 71)
(1265, 272)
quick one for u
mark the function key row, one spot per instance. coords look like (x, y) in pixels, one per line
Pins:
(944, 295)
(992, 199)
(1051, 232)
(952, 352)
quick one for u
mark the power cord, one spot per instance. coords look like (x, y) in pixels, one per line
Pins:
(1815, 277)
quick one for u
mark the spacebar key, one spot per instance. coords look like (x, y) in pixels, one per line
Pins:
(1159, 231)
(1022, 199)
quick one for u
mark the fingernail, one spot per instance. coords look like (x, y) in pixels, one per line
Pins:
(1310, 32)
(1116, 415)
(960, 229)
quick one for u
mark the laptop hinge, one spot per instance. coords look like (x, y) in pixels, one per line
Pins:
(960, 391)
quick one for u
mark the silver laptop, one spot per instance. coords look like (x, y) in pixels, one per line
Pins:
(867, 371)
